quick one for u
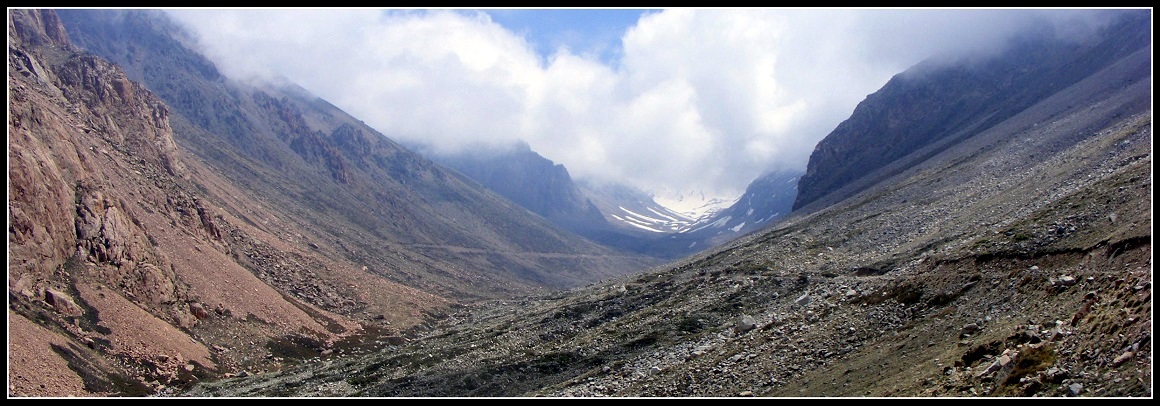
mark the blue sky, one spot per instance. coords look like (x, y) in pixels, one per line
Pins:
(594, 32)
(680, 101)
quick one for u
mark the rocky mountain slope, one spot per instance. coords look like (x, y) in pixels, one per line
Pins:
(400, 214)
(935, 105)
(614, 215)
(188, 227)
(766, 199)
(531, 181)
(618, 216)
(1016, 261)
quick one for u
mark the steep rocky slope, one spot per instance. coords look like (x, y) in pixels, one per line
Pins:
(1014, 262)
(148, 251)
(363, 196)
(939, 103)
(530, 180)
(116, 266)
(766, 199)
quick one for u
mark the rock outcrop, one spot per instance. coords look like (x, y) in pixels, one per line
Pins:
(113, 251)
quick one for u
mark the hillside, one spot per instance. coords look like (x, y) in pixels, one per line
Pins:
(617, 216)
(168, 225)
(531, 181)
(362, 195)
(935, 105)
(1012, 261)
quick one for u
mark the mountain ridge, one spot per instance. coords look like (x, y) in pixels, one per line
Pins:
(391, 178)
(1012, 263)
(957, 111)
(212, 229)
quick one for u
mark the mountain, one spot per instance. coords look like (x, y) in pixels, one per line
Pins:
(1011, 260)
(529, 180)
(930, 107)
(168, 225)
(767, 198)
(633, 210)
(382, 202)
(614, 215)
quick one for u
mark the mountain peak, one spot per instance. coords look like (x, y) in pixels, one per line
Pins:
(694, 204)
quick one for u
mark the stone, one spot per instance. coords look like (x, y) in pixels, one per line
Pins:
(62, 303)
(1120, 360)
(803, 300)
(745, 323)
(199, 311)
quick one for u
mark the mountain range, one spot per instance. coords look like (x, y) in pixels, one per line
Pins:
(140, 174)
(617, 215)
(975, 228)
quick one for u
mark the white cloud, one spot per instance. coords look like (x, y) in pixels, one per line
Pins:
(703, 99)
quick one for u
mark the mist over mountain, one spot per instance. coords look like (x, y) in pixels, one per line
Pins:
(977, 227)
(613, 215)
(309, 156)
(935, 105)
(531, 181)
(1011, 262)
(768, 198)
(170, 224)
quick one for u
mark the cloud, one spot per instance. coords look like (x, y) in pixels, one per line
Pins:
(700, 100)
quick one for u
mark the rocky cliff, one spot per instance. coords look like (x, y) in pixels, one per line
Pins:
(939, 103)
(120, 275)
(147, 251)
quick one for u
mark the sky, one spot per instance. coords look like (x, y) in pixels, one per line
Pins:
(678, 102)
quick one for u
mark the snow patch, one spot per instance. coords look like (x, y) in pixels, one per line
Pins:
(721, 222)
(642, 227)
(695, 205)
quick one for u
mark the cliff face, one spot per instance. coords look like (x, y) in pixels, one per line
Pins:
(362, 196)
(192, 228)
(936, 104)
(103, 109)
(122, 277)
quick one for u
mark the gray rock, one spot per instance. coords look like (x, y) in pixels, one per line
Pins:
(745, 323)
(1000, 362)
(803, 300)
